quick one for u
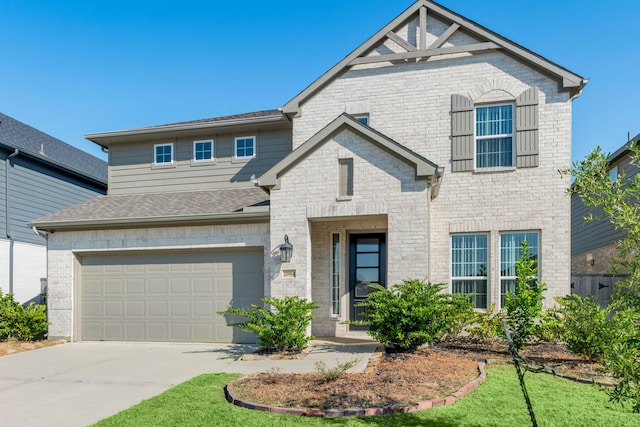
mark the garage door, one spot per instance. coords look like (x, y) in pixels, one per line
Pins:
(167, 297)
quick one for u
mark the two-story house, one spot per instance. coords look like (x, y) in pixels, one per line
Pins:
(431, 151)
(39, 174)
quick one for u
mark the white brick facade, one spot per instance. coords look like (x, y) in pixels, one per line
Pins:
(412, 104)
(65, 248)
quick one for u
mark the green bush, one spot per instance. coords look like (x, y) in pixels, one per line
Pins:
(19, 322)
(525, 305)
(621, 358)
(414, 313)
(282, 329)
(583, 325)
(486, 325)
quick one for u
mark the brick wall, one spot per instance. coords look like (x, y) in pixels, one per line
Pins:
(411, 103)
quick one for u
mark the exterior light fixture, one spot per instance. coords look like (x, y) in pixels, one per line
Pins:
(286, 250)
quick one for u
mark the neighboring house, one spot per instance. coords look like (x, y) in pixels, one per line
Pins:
(593, 244)
(39, 174)
(431, 151)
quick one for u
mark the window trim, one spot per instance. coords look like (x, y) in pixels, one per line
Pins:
(487, 278)
(155, 155)
(213, 151)
(500, 276)
(335, 275)
(235, 147)
(345, 188)
(512, 135)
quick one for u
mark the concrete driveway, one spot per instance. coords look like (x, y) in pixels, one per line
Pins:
(77, 384)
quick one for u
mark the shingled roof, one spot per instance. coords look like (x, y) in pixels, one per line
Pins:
(165, 208)
(39, 145)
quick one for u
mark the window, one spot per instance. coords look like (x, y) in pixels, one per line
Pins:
(345, 178)
(613, 174)
(245, 147)
(494, 136)
(203, 150)
(163, 154)
(469, 253)
(510, 250)
(362, 118)
(335, 274)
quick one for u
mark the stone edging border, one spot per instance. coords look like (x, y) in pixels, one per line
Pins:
(385, 410)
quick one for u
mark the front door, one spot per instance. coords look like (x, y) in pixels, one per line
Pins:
(367, 266)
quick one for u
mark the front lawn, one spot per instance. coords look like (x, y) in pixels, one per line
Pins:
(497, 402)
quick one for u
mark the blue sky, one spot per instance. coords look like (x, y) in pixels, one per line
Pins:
(74, 67)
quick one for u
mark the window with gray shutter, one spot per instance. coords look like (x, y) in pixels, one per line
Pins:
(527, 129)
(462, 133)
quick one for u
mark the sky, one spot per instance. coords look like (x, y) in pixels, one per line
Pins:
(70, 68)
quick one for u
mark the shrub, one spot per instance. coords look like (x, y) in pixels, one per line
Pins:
(525, 305)
(19, 322)
(282, 329)
(583, 325)
(413, 313)
(332, 374)
(486, 325)
(621, 358)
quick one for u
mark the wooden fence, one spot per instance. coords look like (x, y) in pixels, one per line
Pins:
(599, 285)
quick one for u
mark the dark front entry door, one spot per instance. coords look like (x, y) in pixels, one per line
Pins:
(367, 266)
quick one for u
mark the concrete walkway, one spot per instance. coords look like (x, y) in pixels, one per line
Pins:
(80, 383)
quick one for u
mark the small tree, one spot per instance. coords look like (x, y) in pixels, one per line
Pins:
(413, 313)
(617, 201)
(525, 305)
(282, 329)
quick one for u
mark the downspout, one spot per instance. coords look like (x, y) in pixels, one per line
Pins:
(8, 165)
(44, 282)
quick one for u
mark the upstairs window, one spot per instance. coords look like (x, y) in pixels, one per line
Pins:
(494, 136)
(203, 151)
(163, 154)
(362, 118)
(345, 178)
(245, 147)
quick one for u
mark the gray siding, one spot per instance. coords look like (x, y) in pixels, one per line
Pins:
(593, 235)
(131, 164)
(36, 191)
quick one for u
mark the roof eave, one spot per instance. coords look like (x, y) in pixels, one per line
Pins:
(248, 216)
(104, 138)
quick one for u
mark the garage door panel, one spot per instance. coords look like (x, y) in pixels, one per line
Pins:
(180, 309)
(158, 308)
(157, 286)
(168, 297)
(136, 308)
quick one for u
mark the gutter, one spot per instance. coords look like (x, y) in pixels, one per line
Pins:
(8, 166)
(96, 137)
(248, 214)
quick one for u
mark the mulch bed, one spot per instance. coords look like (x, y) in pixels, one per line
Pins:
(404, 379)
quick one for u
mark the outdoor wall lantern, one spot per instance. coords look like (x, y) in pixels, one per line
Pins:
(286, 250)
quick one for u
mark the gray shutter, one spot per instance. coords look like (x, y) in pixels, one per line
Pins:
(462, 133)
(527, 129)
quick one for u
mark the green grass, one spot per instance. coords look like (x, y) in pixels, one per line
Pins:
(497, 402)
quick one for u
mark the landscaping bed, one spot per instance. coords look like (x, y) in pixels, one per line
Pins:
(10, 347)
(404, 379)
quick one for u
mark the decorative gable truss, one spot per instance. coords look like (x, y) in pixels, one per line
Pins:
(427, 30)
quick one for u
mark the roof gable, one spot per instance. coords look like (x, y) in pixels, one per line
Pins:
(424, 168)
(406, 49)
